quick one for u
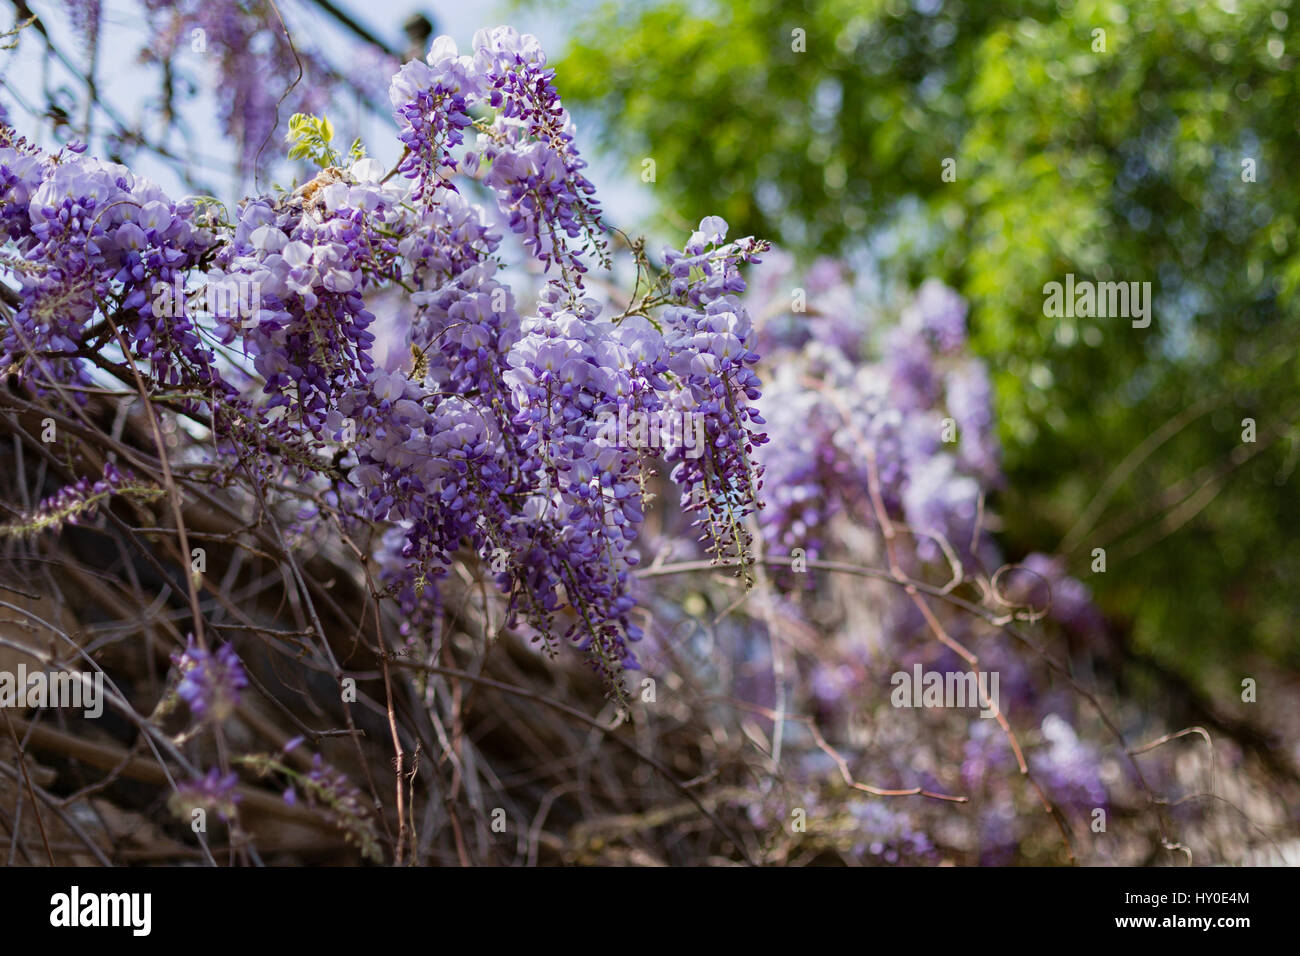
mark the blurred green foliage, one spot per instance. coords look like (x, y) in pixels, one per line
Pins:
(1129, 163)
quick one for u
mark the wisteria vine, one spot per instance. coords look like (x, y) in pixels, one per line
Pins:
(497, 445)
(491, 442)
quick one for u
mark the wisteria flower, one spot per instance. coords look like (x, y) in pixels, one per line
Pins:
(210, 681)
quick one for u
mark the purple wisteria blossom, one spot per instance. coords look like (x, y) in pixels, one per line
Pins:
(214, 791)
(77, 502)
(211, 681)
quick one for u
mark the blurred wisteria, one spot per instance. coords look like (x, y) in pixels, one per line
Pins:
(256, 62)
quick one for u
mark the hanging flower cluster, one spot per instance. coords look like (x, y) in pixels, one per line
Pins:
(492, 445)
